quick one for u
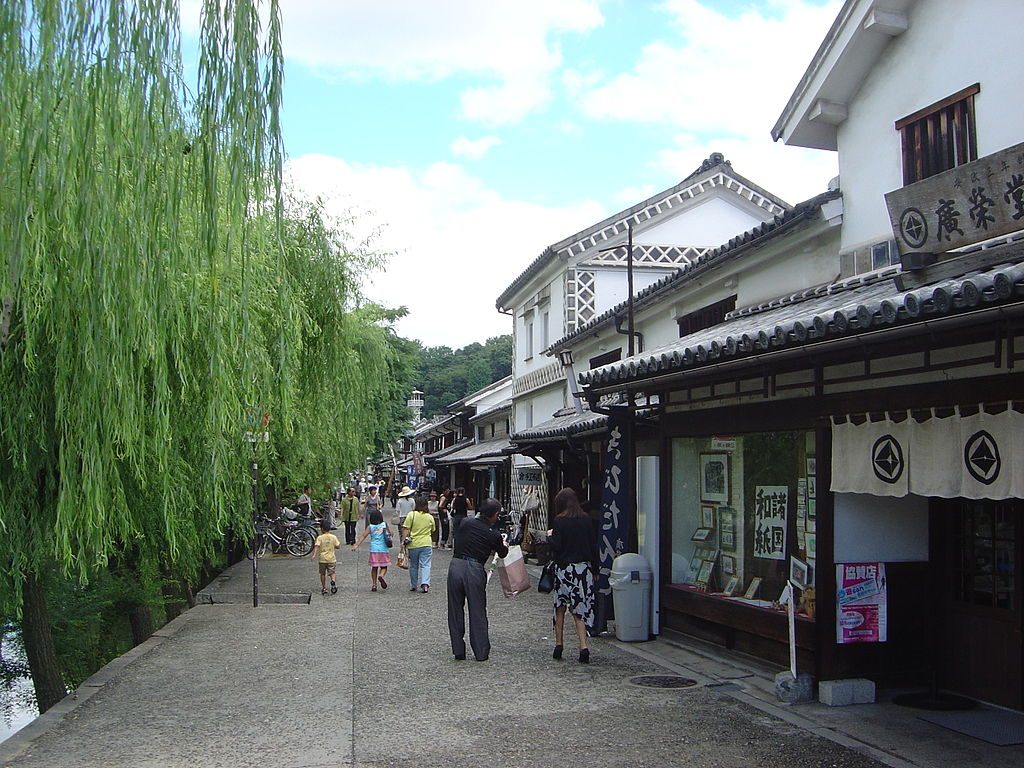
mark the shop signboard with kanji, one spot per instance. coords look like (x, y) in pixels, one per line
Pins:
(771, 505)
(964, 205)
(861, 603)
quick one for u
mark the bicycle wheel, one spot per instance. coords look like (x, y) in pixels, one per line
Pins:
(260, 547)
(299, 542)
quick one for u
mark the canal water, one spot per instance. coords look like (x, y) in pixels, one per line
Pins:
(17, 698)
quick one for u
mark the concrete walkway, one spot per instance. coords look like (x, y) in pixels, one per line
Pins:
(367, 679)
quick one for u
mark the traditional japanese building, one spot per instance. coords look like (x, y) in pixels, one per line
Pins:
(862, 437)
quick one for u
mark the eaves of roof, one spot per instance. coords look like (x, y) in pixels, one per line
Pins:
(505, 406)
(447, 451)
(497, 448)
(648, 208)
(847, 309)
(562, 426)
(806, 211)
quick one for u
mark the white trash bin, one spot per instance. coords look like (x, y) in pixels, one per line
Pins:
(631, 580)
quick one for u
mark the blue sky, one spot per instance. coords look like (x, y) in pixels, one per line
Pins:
(472, 134)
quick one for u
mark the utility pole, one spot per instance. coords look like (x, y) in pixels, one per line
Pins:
(630, 345)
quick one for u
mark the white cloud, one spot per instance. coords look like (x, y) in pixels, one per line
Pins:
(473, 149)
(457, 242)
(510, 47)
(722, 82)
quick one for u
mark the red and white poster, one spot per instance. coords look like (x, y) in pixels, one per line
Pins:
(861, 615)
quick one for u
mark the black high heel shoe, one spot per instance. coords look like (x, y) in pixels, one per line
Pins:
(557, 653)
(584, 656)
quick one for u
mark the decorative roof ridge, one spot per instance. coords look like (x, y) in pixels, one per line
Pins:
(805, 209)
(715, 164)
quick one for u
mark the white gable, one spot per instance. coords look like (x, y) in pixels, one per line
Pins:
(709, 223)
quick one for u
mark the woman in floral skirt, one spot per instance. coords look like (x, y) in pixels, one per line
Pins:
(573, 544)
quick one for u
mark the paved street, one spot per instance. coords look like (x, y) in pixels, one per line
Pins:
(367, 679)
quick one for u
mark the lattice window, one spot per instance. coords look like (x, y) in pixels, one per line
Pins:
(939, 137)
(586, 296)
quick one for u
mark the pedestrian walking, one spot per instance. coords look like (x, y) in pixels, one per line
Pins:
(380, 558)
(572, 540)
(443, 518)
(394, 495)
(417, 529)
(459, 511)
(467, 581)
(434, 508)
(324, 554)
(370, 503)
(406, 504)
(350, 514)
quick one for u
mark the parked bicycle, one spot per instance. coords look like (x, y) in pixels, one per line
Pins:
(275, 535)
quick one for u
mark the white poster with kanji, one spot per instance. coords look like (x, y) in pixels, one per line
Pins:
(771, 503)
(861, 604)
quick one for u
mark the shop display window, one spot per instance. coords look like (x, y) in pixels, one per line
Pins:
(744, 516)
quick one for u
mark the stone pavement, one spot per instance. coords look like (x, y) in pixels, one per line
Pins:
(367, 679)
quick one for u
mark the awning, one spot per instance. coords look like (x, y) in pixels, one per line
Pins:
(486, 452)
(571, 423)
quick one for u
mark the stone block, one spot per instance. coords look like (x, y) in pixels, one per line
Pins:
(863, 691)
(794, 691)
(842, 693)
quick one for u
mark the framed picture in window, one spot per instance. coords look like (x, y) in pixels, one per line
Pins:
(728, 565)
(707, 516)
(812, 465)
(812, 486)
(714, 478)
(704, 572)
(752, 588)
(731, 586)
(701, 534)
(798, 572)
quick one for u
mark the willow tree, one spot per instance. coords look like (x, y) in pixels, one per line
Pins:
(127, 335)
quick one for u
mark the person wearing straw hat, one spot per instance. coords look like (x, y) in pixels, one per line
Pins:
(406, 504)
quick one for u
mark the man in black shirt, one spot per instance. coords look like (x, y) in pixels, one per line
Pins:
(467, 581)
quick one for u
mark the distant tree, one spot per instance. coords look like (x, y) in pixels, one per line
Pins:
(445, 375)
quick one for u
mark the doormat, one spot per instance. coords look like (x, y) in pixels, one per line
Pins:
(992, 725)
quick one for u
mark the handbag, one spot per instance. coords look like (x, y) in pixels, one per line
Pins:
(403, 560)
(546, 582)
(390, 542)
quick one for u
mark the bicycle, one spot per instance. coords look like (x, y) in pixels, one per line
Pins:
(275, 535)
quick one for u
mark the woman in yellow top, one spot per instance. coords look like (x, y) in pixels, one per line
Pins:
(416, 537)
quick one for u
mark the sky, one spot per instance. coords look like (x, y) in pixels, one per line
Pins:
(470, 135)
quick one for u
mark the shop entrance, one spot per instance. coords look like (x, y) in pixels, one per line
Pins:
(981, 544)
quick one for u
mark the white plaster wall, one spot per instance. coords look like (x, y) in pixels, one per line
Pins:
(880, 528)
(707, 224)
(611, 285)
(556, 328)
(950, 45)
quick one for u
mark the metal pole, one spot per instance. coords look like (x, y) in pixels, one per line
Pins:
(629, 286)
(255, 519)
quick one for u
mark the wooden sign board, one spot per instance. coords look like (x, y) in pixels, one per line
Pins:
(961, 206)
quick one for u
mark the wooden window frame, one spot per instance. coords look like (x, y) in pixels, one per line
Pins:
(940, 136)
(705, 317)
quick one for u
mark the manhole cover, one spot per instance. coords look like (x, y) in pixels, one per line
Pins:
(662, 681)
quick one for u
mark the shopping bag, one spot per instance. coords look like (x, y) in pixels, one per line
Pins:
(512, 572)
(403, 559)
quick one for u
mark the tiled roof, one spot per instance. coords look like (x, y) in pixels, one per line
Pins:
(447, 451)
(497, 448)
(842, 309)
(560, 426)
(655, 205)
(804, 211)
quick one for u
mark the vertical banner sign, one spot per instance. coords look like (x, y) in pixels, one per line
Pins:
(861, 610)
(617, 510)
(771, 503)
